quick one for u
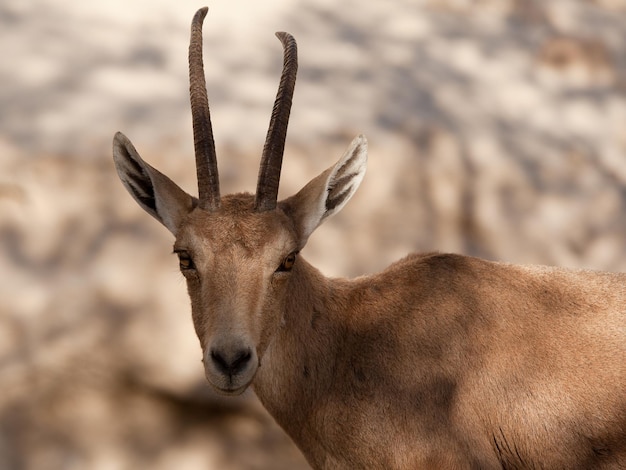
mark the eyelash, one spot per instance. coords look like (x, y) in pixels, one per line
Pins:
(288, 263)
(185, 261)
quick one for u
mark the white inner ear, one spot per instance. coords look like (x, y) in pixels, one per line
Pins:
(327, 193)
(346, 176)
(155, 192)
(341, 183)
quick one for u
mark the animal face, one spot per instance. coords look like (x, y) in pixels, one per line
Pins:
(237, 264)
(238, 253)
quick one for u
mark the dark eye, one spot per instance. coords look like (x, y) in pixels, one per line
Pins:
(185, 261)
(287, 263)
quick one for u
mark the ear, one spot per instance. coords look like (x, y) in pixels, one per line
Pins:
(158, 195)
(329, 192)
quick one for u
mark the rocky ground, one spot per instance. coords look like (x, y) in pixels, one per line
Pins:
(497, 128)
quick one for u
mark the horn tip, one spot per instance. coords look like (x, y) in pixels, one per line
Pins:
(201, 13)
(283, 36)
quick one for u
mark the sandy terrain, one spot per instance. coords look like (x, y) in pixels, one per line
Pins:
(497, 128)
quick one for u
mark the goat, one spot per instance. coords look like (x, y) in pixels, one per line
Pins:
(440, 361)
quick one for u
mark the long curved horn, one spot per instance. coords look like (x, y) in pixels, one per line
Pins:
(272, 158)
(204, 145)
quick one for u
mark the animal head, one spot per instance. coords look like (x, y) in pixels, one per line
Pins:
(238, 252)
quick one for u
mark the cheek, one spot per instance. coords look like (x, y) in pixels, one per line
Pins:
(199, 310)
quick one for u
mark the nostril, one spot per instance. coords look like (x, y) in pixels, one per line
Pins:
(242, 359)
(232, 363)
(219, 361)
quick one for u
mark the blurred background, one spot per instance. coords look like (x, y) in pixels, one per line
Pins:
(497, 128)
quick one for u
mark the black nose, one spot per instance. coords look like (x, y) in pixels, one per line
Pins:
(231, 362)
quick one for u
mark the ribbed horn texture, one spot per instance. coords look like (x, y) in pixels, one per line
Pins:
(272, 158)
(204, 145)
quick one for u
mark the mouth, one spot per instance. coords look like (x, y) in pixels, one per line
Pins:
(229, 391)
(228, 385)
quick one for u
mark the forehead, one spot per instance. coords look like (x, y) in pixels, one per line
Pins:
(236, 224)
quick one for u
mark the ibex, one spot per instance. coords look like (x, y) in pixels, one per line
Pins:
(441, 361)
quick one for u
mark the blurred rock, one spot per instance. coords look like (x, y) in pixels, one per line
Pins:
(496, 129)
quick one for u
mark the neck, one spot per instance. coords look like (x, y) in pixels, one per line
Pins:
(297, 367)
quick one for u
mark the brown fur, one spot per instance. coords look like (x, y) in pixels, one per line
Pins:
(439, 362)
(445, 361)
